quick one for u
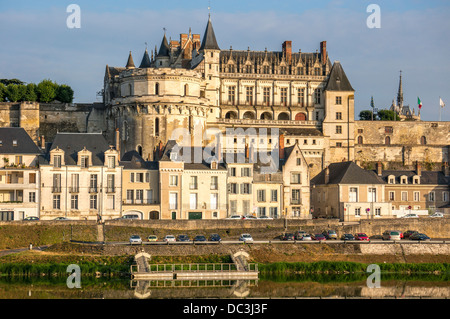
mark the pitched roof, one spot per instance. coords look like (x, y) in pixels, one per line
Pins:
(338, 81)
(164, 48)
(347, 173)
(72, 143)
(23, 143)
(130, 63)
(426, 177)
(145, 63)
(209, 41)
(132, 160)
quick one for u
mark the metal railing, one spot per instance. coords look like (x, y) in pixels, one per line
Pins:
(220, 267)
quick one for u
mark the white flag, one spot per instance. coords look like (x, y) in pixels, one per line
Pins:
(442, 104)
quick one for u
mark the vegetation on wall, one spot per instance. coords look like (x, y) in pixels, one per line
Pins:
(46, 91)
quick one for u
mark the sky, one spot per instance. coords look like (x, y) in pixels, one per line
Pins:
(413, 36)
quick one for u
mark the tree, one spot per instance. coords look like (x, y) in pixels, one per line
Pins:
(2, 92)
(30, 93)
(13, 93)
(365, 115)
(64, 93)
(388, 115)
(46, 90)
(11, 81)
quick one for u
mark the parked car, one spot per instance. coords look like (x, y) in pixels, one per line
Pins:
(330, 234)
(319, 237)
(306, 237)
(408, 233)
(419, 236)
(411, 215)
(439, 215)
(235, 217)
(299, 234)
(347, 237)
(183, 238)
(246, 238)
(152, 238)
(391, 235)
(33, 218)
(62, 218)
(249, 217)
(361, 236)
(265, 217)
(129, 216)
(288, 236)
(168, 238)
(199, 238)
(215, 237)
(135, 239)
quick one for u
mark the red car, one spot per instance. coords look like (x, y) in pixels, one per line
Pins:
(361, 236)
(319, 237)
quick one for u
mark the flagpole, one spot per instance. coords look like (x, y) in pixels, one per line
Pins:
(440, 109)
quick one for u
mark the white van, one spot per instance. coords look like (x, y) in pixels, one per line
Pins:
(411, 215)
(130, 216)
(391, 235)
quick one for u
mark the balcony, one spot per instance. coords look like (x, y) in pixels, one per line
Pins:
(193, 186)
(74, 189)
(56, 189)
(110, 189)
(93, 189)
(140, 202)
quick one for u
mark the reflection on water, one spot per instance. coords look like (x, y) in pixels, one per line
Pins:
(300, 286)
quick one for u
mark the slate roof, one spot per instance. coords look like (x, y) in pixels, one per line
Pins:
(25, 144)
(426, 177)
(145, 63)
(72, 143)
(209, 38)
(338, 81)
(130, 62)
(347, 173)
(132, 160)
(164, 49)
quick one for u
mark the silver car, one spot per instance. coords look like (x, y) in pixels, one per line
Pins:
(135, 239)
(391, 235)
(246, 238)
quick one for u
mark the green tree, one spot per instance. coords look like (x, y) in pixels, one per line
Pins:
(46, 90)
(30, 94)
(13, 93)
(11, 81)
(64, 94)
(388, 115)
(365, 115)
(2, 92)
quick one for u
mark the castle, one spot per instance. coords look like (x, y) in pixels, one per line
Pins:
(191, 91)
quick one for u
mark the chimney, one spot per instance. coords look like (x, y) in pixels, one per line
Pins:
(418, 168)
(281, 146)
(323, 51)
(327, 175)
(379, 168)
(183, 39)
(118, 140)
(43, 142)
(446, 169)
(160, 149)
(251, 154)
(287, 50)
(246, 151)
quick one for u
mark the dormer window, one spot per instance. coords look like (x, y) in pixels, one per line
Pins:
(416, 180)
(56, 160)
(173, 156)
(391, 180)
(111, 162)
(213, 165)
(84, 161)
(14, 142)
(404, 180)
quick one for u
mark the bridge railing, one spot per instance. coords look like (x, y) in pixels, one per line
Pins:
(216, 267)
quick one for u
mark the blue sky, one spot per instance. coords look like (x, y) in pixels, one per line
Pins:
(414, 37)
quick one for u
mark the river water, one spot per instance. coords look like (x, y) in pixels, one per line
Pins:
(299, 286)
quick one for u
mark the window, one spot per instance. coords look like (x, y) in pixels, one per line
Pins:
(213, 198)
(130, 196)
(110, 202)
(431, 197)
(84, 161)
(391, 195)
(299, 161)
(266, 96)
(338, 144)
(131, 177)
(416, 196)
(193, 201)
(301, 96)
(388, 129)
(423, 140)
(156, 88)
(56, 183)
(317, 93)
(214, 182)
(261, 211)
(194, 183)
(246, 188)
(56, 161)
(338, 115)
(284, 96)
(360, 140)
(232, 188)
(233, 207)
(246, 207)
(56, 201)
(445, 196)
(186, 88)
(387, 140)
(173, 201)
(173, 180)
(111, 161)
(139, 196)
(338, 129)
(74, 183)
(404, 196)
(273, 212)
(283, 70)
(32, 197)
(110, 183)
(299, 70)
(296, 178)
(295, 199)
(231, 94)
(93, 202)
(404, 180)
(377, 211)
(150, 196)
(372, 194)
(353, 194)
(233, 171)
(74, 202)
(338, 100)
(32, 178)
(261, 195)
(93, 183)
(391, 180)
(358, 211)
(274, 195)
(245, 171)
(249, 95)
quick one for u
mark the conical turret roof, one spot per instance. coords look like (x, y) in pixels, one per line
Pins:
(130, 63)
(164, 48)
(145, 63)
(209, 38)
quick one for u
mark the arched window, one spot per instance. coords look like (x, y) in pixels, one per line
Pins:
(157, 89)
(139, 150)
(360, 140)
(423, 140)
(300, 117)
(387, 140)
